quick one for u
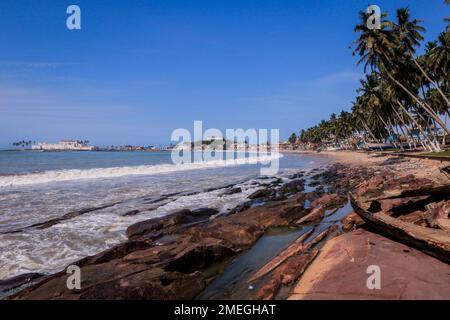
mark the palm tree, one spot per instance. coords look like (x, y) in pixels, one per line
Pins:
(437, 59)
(381, 50)
(409, 34)
(292, 139)
(380, 108)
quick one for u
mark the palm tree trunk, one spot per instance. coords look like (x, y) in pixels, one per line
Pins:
(386, 126)
(400, 118)
(431, 81)
(430, 129)
(395, 132)
(433, 147)
(369, 131)
(445, 121)
(424, 105)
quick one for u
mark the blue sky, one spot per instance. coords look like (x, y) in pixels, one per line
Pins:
(139, 69)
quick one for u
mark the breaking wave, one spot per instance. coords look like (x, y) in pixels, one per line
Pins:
(114, 172)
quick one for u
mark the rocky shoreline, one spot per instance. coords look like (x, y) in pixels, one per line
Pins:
(173, 257)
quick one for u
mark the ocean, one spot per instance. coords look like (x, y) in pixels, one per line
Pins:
(100, 194)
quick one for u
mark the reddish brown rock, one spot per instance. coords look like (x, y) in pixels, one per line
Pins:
(268, 290)
(401, 186)
(294, 267)
(298, 246)
(262, 193)
(17, 281)
(329, 201)
(395, 204)
(439, 215)
(315, 215)
(351, 221)
(340, 271)
(163, 272)
(165, 256)
(174, 218)
(417, 217)
(285, 274)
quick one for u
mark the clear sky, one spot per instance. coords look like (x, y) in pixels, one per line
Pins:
(139, 69)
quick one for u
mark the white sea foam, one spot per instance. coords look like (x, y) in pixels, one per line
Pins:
(96, 173)
(50, 249)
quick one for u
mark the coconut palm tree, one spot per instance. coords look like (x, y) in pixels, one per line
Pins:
(292, 139)
(437, 59)
(403, 94)
(380, 49)
(409, 37)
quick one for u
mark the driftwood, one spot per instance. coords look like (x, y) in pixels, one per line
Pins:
(435, 242)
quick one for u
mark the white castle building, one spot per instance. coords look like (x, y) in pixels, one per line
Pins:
(62, 145)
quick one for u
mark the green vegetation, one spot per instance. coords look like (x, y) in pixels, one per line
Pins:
(23, 143)
(402, 95)
(445, 153)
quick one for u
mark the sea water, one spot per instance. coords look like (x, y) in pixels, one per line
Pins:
(36, 187)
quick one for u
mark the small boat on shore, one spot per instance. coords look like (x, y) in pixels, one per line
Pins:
(434, 241)
(378, 146)
(384, 146)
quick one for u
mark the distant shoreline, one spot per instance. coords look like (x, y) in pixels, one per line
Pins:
(31, 150)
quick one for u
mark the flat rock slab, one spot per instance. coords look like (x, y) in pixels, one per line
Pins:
(340, 271)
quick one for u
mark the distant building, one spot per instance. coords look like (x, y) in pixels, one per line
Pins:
(285, 145)
(72, 145)
(161, 148)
